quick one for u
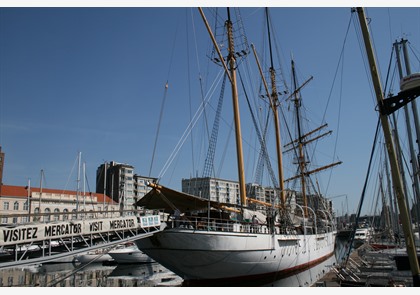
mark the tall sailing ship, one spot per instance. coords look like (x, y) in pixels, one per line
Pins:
(213, 241)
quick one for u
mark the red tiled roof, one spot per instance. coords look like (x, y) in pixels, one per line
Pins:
(21, 191)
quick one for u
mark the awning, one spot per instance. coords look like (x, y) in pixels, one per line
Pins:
(161, 197)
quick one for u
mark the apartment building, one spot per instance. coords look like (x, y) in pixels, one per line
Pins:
(140, 185)
(214, 189)
(117, 181)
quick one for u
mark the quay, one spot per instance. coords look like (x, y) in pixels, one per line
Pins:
(367, 268)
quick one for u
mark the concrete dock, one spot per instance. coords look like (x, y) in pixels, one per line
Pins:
(359, 271)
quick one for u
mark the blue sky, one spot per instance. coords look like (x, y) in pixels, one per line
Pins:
(92, 80)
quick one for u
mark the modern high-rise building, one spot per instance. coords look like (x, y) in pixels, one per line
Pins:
(140, 186)
(122, 184)
(117, 181)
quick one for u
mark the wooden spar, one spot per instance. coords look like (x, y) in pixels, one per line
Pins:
(310, 140)
(306, 135)
(395, 171)
(214, 43)
(316, 138)
(314, 171)
(252, 200)
(299, 88)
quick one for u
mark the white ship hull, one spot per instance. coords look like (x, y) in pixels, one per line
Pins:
(216, 255)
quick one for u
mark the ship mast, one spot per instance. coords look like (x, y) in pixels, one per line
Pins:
(239, 152)
(395, 172)
(301, 156)
(232, 77)
(274, 102)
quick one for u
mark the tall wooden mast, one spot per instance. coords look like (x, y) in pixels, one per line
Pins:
(395, 172)
(238, 135)
(232, 77)
(274, 106)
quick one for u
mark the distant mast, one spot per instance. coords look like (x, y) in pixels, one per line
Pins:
(105, 170)
(302, 140)
(40, 193)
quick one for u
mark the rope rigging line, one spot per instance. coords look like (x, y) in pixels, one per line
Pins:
(189, 84)
(260, 163)
(191, 125)
(158, 128)
(71, 172)
(341, 57)
(261, 139)
(415, 55)
(363, 54)
(209, 161)
(359, 209)
(163, 101)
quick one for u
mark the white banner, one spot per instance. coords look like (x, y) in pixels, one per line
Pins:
(10, 235)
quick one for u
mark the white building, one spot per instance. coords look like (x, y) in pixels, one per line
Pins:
(140, 185)
(19, 204)
(219, 190)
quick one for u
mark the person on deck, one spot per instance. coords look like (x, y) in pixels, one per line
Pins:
(254, 223)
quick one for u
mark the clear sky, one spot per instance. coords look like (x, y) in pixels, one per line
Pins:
(92, 80)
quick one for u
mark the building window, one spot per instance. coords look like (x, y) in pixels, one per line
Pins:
(36, 211)
(26, 205)
(65, 216)
(4, 220)
(56, 214)
(16, 205)
(6, 206)
(47, 217)
(15, 220)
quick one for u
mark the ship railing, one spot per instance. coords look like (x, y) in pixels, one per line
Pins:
(327, 224)
(226, 225)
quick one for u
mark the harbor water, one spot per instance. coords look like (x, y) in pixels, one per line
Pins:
(140, 275)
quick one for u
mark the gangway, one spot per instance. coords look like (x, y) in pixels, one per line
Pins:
(42, 242)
